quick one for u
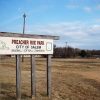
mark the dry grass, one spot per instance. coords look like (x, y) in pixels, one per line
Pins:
(72, 79)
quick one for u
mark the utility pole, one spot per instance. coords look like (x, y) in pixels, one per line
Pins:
(66, 44)
(24, 16)
(66, 49)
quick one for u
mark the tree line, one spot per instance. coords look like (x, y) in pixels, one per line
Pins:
(70, 52)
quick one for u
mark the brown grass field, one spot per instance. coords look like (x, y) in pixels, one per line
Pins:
(72, 79)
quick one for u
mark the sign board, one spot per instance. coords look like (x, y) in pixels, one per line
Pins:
(17, 45)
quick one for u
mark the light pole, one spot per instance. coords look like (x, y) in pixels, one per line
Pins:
(24, 16)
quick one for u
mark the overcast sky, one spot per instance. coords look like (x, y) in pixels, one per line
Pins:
(77, 22)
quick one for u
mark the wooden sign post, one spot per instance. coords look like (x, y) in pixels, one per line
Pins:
(18, 78)
(33, 77)
(49, 75)
(20, 44)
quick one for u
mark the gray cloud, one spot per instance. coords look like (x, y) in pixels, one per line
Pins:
(77, 33)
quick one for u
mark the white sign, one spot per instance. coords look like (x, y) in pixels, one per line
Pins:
(17, 45)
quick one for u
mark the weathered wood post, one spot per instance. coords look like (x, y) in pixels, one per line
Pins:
(18, 78)
(33, 77)
(49, 76)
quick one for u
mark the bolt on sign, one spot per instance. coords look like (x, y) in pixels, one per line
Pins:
(17, 45)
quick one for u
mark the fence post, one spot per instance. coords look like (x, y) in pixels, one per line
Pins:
(18, 78)
(49, 75)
